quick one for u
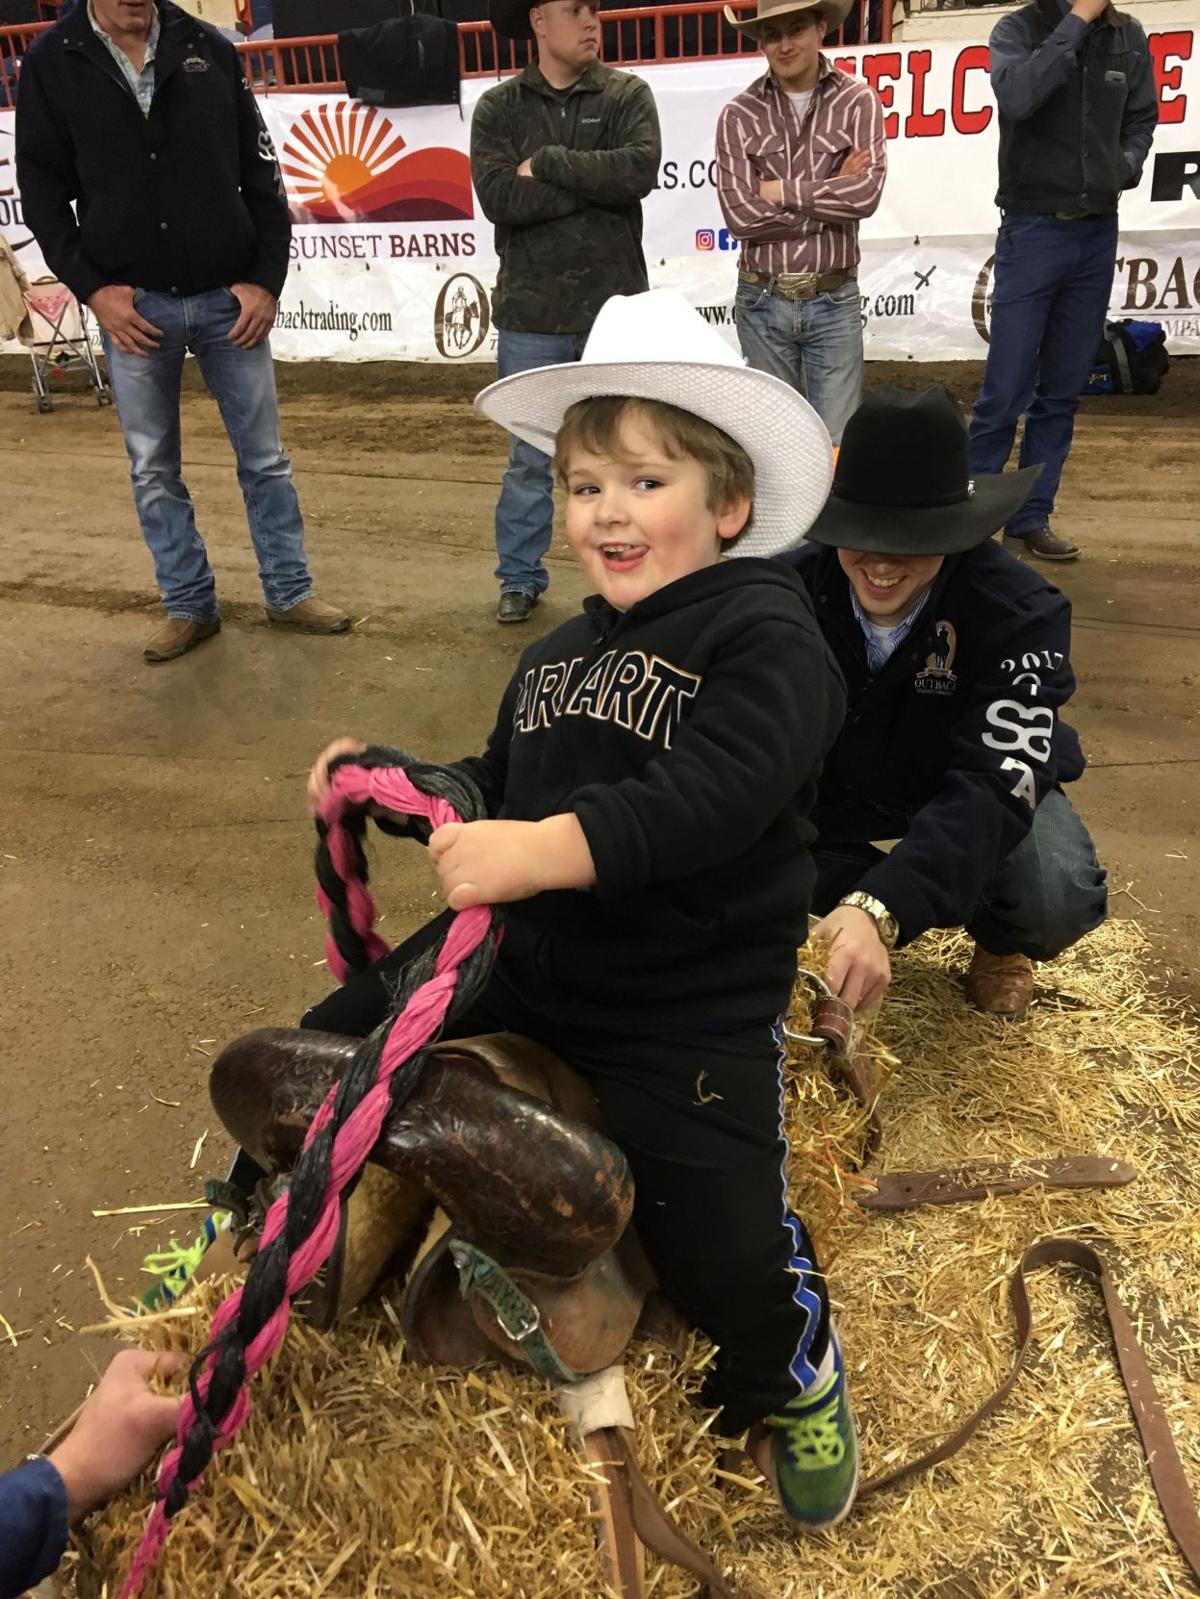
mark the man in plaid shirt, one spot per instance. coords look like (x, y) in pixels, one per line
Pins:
(800, 160)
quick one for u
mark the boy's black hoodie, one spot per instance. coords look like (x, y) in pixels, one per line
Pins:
(686, 735)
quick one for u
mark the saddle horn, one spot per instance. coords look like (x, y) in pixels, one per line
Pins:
(479, 1136)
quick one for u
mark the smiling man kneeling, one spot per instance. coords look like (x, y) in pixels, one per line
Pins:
(956, 660)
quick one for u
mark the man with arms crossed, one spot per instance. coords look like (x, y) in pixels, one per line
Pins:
(562, 156)
(800, 161)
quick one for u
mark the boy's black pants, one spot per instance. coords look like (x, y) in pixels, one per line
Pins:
(698, 1118)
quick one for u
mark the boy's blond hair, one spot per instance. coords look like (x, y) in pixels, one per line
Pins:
(595, 426)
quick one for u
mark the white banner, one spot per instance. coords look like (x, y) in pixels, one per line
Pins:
(392, 258)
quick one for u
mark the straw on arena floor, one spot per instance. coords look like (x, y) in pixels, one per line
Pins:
(363, 1477)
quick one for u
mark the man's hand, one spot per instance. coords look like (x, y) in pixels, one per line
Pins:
(493, 863)
(771, 189)
(1088, 10)
(112, 306)
(319, 784)
(859, 970)
(120, 1430)
(318, 778)
(257, 318)
(525, 170)
(859, 161)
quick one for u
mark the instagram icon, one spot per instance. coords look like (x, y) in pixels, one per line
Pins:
(706, 239)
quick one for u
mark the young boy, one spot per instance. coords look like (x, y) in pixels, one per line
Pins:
(649, 778)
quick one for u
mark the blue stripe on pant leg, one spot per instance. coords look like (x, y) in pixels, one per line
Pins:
(800, 1366)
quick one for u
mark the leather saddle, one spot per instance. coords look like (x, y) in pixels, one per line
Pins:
(491, 1189)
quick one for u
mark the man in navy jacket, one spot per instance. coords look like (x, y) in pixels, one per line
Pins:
(1074, 84)
(956, 661)
(117, 1434)
(151, 186)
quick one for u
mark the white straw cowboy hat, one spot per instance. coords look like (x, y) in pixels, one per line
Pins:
(654, 346)
(835, 13)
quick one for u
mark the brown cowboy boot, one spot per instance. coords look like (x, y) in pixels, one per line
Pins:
(1000, 985)
(176, 636)
(311, 616)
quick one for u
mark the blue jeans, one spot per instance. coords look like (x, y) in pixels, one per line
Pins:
(525, 509)
(1052, 286)
(814, 345)
(146, 391)
(1044, 898)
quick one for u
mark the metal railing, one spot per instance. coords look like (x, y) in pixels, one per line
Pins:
(14, 42)
(637, 36)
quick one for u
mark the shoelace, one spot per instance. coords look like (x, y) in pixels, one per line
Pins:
(175, 1266)
(814, 1440)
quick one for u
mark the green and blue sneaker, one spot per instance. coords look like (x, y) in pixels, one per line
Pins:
(814, 1449)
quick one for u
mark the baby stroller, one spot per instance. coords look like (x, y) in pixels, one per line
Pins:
(49, 321)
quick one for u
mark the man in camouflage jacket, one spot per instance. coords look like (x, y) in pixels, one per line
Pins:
(561, 158)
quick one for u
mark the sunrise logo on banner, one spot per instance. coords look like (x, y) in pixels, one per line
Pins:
(345, 162)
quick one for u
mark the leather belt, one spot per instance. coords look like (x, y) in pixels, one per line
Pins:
(1171, 1485)
(798, 285)
(1079, 216)
(907, 1190)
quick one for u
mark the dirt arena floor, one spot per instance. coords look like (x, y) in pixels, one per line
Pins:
(155, 884)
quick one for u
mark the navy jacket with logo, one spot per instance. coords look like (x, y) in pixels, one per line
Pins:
(686, 735)
(951, 746)
(1078, 107)
(184, 200)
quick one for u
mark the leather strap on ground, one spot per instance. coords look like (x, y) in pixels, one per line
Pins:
(1166, 1470)
(621, 1551)
(906, 1190)
(662, 1535)
(833, 1020)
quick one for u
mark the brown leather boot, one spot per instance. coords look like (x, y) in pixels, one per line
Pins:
(311, 616)
(176, 637)
(1000, 985)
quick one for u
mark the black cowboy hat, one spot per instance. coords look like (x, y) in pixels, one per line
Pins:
(903, 483)
(511, 18)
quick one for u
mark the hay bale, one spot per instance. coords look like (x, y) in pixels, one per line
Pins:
(361, 1477)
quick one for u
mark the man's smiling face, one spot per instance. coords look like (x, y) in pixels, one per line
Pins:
(888, 587)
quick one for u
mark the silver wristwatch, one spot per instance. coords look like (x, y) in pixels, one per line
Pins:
(886, 924)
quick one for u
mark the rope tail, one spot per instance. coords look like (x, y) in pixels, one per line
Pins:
(302, 1226)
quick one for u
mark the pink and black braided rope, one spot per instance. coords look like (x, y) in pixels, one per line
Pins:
(302, 1226)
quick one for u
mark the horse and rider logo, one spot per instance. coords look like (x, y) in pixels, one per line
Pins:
(462, 317)
(981, 300)
(935, 677)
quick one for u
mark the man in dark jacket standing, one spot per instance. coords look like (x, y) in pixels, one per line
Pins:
(1075, 88)
(561, 158)
(956, 661)
(149, 181)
